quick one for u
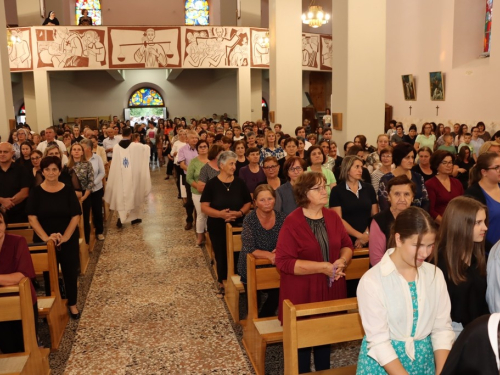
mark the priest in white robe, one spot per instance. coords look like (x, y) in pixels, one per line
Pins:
(129, 180)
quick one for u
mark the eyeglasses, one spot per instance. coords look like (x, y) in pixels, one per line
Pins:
(202, 147)
(320, 188)
(386, 156)
(271, 167)
(295, 169)
(35, 159)
(449, 163)
(496, 168)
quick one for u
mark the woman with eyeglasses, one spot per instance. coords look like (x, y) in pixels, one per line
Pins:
(484, 185)
(285, 200)
(442, 188)
(426, 138)
(35, 157)
(197, 186)
(271, 170)
(312, 253)
(316, 159)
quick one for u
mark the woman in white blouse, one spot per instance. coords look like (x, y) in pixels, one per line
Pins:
(404, 304)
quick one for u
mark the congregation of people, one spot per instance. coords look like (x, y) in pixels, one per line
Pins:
(426, 206)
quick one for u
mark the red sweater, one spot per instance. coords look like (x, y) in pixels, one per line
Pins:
(297, 241)
(439, 197)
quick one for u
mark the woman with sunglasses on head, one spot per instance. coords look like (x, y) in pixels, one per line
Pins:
(484, 185)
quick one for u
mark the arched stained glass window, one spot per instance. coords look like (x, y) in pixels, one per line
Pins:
(487, 27)
(94, 8)
(22, 111)
(146, 97)
(196, 12)
(264, 103)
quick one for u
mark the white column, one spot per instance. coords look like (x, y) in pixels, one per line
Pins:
(285, 73)
(256, 94)
(244, 94)
(28, 13)
(6, 102)
(250, 13)
(358, 71)
(43, 99)
(30, 101)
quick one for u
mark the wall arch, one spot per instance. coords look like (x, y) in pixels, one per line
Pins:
(138, 86)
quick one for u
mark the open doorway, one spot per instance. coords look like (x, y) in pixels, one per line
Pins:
(144, 104)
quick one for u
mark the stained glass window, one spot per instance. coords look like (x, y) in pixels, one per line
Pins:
(94, 8)
(22, 111)
(487, 26)
(146, 97)
(264, 103)
(196, 12)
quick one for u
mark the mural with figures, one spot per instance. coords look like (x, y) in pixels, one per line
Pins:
(310, 50)
(326, 52)
(260, 48)
(65, 47)
(144, 47)
(216, 47)
(19, 49)
(162, 47)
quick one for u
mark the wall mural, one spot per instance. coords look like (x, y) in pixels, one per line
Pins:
(64, 47)
(216, 47)
(260, 48)
(144, 47)
(326, 52)
(101, 47)
(19, 49)
(310, 50)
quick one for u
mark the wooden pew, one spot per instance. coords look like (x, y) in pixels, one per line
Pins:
(319, 323)
(259, 332)
(26, 233)
(233, 287)
(18, 226)
(52, 307)
(16, 304)
(211, 254)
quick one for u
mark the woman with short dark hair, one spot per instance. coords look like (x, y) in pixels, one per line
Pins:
(285, 200)
(310, 258)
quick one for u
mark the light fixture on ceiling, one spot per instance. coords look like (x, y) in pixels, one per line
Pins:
(315, 17)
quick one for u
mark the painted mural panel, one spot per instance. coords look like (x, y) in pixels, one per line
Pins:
(69, 48)
(216, 47)
(310, 51)
(260, 48)
(19, 49)
(144, 47)
(326, 52)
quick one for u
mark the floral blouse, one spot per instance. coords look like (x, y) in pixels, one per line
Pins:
(85, 174)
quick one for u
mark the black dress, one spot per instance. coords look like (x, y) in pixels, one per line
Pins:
(55, 21)
(222, 196)
(54, 212)
(464, 177)
(418, 170)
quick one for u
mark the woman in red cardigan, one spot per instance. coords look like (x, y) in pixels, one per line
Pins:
(312, 253)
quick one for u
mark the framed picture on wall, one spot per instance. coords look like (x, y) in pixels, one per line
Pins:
(437, 85)
(409, 87)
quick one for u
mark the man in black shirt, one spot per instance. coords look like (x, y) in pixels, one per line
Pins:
(76, 133)
(14, 188)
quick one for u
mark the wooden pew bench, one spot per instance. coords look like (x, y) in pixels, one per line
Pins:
(233, 286)
(320, 323)
(52, 307)
(16, 304)
(259, 332)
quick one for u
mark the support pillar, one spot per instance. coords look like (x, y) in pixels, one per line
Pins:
(249, 14)
(256, 94)
(6, 102)
(244, 94)
(43, 99)
(30, 101)
(28, 13)
(285, 72)
(358, 68)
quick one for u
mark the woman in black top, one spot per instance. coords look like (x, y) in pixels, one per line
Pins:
(411, 137)
(51, 20)
(424, 167)
(359, 152)
(464, 162)
(354, 201)
(54, 212)
(461, 257)
(225, 199)
(241, 161)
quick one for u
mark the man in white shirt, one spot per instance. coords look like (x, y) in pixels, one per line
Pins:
(109, 143)
(50, 136)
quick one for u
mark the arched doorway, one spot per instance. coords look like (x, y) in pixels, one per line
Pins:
(21, 114)
(265, 109)
(144, 104)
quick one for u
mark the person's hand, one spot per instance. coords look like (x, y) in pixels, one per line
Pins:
(462, 170)
(364, 238)
(227, 215)
(82, 199)
(272, 257)
(54, 237)
(62, 239)
(328, 269)
(358, 244)
(7, 203)
(200, 186)
(341, 266)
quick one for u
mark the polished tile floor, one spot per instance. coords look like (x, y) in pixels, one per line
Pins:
(151, 307)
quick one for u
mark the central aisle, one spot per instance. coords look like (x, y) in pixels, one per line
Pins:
(152, 307)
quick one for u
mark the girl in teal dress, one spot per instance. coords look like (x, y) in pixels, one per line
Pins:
(404, 304)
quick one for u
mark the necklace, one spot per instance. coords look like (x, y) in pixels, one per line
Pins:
(225, 185)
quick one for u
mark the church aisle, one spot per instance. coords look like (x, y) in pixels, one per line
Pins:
(152, 308)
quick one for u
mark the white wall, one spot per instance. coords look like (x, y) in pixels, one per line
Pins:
(426, 36)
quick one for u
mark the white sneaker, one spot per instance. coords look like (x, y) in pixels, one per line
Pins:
(100, 237)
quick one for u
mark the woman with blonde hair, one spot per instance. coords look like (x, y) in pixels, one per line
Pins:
(271, 147)
(373, 160)
(462, 259)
